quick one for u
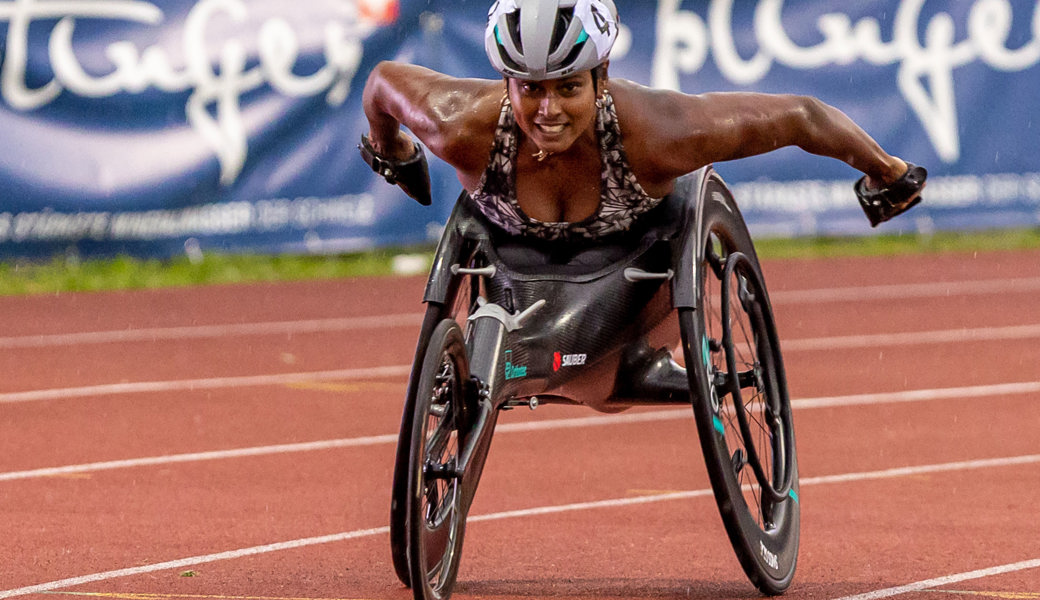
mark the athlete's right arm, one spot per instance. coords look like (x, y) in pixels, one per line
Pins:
(453, 117)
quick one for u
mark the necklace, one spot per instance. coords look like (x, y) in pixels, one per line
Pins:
(542, 155)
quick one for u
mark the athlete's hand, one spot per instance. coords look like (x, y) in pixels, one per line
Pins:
(411, 174)
(882, 203)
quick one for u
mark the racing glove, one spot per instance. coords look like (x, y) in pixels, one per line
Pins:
(884, 203)
(412, 175)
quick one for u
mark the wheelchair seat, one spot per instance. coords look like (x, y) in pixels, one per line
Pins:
(649, 244)
(577, 258)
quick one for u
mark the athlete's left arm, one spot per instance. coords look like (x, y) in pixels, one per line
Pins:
(694, 130)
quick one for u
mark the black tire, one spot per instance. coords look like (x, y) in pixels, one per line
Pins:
(399, 489)
(461, 302)
(436, 518)
(740, 399)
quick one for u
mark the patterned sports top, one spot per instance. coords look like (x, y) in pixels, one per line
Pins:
(622, 199)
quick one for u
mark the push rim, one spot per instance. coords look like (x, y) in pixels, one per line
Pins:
(441, 497)
(748, 346)
(436, 520)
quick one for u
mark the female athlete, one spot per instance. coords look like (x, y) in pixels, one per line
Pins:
(559, 151)
(559, 155)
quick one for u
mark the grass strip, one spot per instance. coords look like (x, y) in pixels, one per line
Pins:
(887, 245)
(127, 273)
(61, 274)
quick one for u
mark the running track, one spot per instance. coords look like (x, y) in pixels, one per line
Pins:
(237, 442)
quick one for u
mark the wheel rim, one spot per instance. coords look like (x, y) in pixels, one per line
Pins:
(745, 395)
(440, 493)
(750, 363)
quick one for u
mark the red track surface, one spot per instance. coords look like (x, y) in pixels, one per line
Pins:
(956, 328)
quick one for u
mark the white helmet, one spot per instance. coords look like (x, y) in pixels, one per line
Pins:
(549, 39)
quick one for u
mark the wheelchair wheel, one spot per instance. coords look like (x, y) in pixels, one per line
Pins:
(462, 300)
(435, 518)
(740, 400)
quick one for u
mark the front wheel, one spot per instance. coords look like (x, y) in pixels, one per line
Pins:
(435, 516)
(740, 400)
(460, 302)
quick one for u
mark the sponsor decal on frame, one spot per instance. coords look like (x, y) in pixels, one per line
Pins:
(568, 360)
(514, 371)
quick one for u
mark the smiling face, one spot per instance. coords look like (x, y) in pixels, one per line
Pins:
(554, 113)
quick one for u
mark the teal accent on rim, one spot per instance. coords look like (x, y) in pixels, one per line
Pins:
(717, 422)
(705, 353)
(793, 495)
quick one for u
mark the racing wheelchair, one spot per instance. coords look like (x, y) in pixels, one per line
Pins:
(516, 323)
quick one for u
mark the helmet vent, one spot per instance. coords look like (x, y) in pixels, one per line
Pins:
(563, 23)
(513, 30)
(575, 51)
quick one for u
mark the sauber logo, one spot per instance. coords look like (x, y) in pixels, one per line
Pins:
(567, 360)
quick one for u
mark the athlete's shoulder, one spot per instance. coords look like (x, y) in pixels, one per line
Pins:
(468, 115)
(649, 116)
(645, 109)
(661, 131)
(420, 83)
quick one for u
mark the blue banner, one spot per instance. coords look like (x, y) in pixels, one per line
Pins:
(155, 127)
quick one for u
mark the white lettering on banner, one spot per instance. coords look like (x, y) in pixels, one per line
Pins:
(213, 108)
(925, 75)
(995, 191)
(221, 218)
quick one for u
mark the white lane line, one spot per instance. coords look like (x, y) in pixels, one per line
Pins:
(796, 345)
(963, 465)
(154, 334)
(947, 580)
(535, 511)
(529, 426)
(193, 561)
(974, 391)
(813, 296)
(373, 440)
(911, 338)
(911, 290)
(203, 384)
(199, 456)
